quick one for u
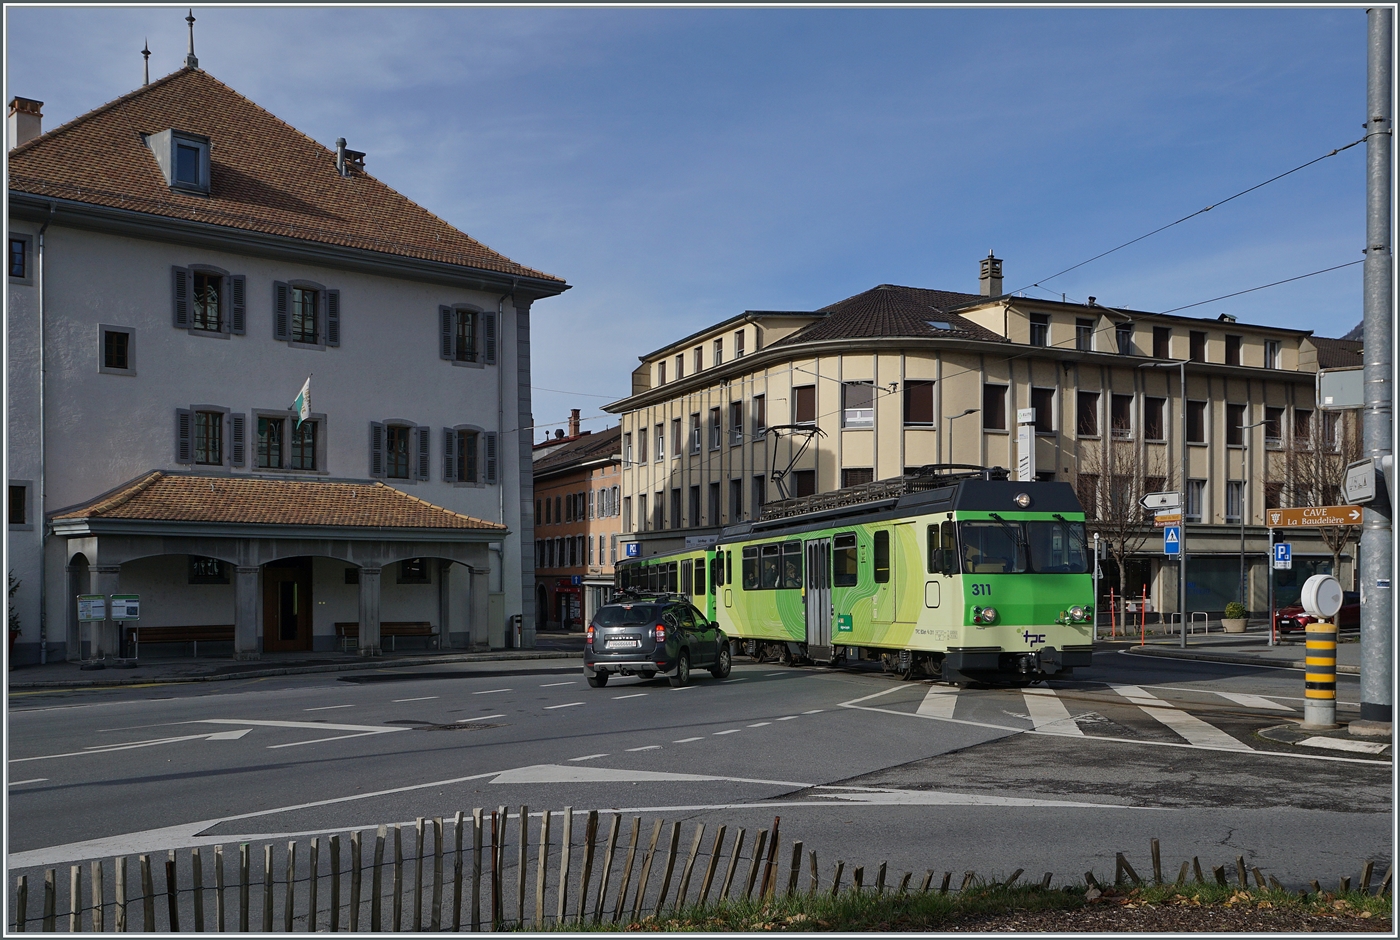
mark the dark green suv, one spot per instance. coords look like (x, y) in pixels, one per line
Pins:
(651, 635)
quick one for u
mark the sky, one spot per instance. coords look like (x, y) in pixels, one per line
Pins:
(678, 166)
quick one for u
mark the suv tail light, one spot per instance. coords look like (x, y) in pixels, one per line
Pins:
(588, 635)
(660, 632)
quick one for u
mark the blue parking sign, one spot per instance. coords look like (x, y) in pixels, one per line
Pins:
(1171, 540)
(634, 549)
(1283, 552)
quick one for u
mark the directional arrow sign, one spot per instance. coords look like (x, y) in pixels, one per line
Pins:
(1160, 501)
(1314, 516)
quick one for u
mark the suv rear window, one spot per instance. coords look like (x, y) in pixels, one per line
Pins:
(618, 615)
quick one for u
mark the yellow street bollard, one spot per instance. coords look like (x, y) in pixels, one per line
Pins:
(1320, 677)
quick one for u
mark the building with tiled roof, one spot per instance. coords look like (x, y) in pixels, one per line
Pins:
(767, 406)
(182, 266)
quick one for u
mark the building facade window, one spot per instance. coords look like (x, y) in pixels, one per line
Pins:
(719, 351)
(1040, 329)
(714, 429)
(1234, 500)
(1331, 438)
(207, 570)
(856, 476)
(760, 415)
(1121, 416)
(17, 507)
(676, 436)
(1198, 346)
(1195, 500)
(680, 366)
(738, 343)
(804, 482)
(414, 571)
(208, 437)
(1302, 429)
(695, 433)
(804, 404)
(994, 407)
(699, 359)
(1273, 354)
(1084, 334)
(1043, 401)
(305, 304)
(1234, 425)
(627, 448)
(396, 451)
(206, 302)
(660, 430)
(466, 456)
(1154, 419)
(1273, 428)
(306, 314)
(661, 373)
(1123, 334)
(19, 257)
(116, 350)
(1161, 342)
(1233, 345)
(858, 405)
(270, 443)
(918, 404)
(760, 495)
(736, 422)
(1087, 414)
(1195, 422)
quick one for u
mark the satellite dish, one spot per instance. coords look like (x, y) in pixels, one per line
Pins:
(1322, 596)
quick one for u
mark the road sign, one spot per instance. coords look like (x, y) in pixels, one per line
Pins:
(1313, 516)
(576, 579)
(1339, 389)
(1166, 517)
(634, 549)
(1171, 540)
(1160, 501)
(1283, 556)
(1359, 484)
(92, 607)
(126, 606)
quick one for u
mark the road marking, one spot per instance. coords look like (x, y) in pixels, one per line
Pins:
(565, 705)
(229, 735)
(1048, 713)
(939, 702)
(96, 749)
(20, 783)
(684, 688)
(687, 740)
(421, 698)
(866, 698)
(649, 747)
(730, 731)
(814, 711)
(489, 691)
(550, 685)
(1341, 744)
(761, 724)
(339, 737)
(1253, 701)
(317, 725)
(789, 717)
(323, 708)
(633, 695)
(1187, 725)
(585, 773)
(479, 718)
(587, 757)
(768, 675)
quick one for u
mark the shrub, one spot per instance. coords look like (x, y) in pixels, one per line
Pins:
(1235, 611)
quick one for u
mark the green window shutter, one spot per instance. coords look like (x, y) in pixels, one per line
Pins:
(446, 320)
(238, 307)
(281, 311)
(489, 340)
(332, 318)
(184, 435)
(421, 441)
(490, 456)
(449, 455)
(238, 438)
(376, 449)
(181, 294)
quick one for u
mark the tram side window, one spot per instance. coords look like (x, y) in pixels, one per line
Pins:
(882, 556)
(670, 586)
(685, 577)
(942, 549)
(769, 569)
(699, 585)
(728, 567)
(792, 565)
(843, 560)
(750, 566)
(717, 571)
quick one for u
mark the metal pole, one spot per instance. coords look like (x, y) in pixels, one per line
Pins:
(1185, 506)
(1375, 546)
(1270, 569)
(1096, 586)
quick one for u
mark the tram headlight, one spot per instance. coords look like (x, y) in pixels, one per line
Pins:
(1078, 614)
(984, 615)
(1022, 499)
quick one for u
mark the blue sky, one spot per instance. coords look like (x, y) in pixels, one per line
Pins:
(679, 166)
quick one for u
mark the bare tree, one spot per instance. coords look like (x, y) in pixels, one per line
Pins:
(1312, 468)
(1111, 482)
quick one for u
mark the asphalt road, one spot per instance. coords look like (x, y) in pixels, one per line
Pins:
(859, 766)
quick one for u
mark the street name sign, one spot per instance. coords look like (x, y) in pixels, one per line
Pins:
(1359, 484)
(1171, 540)
(1313, 516)
(1166, 517)
(1160, 501)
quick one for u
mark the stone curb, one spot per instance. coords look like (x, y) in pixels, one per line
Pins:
(259, 673)
(1240, 659)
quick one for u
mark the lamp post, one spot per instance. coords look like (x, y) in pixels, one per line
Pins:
(1244, 490)
(1181, 547)
(950, 419)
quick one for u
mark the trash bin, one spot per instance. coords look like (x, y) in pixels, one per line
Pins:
(515, 636)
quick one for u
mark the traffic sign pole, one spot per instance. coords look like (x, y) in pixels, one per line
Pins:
(1271, 586)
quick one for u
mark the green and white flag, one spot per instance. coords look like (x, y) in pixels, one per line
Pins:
(302, 405)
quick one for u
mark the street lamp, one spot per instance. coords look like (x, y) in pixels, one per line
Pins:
(1181, 546)
(1244, 489)
(950, 419)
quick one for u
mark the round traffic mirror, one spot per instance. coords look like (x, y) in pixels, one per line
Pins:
(1322, 596)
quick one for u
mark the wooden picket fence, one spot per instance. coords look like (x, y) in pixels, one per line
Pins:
(417, 892)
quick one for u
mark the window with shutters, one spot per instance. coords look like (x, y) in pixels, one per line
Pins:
(282, 444)
(208, 301)
(461, 456)
(396, 450)
(399, 450)
(116, 353)
(270, 432)
(468, 335)
(305, 314)
(209, 437)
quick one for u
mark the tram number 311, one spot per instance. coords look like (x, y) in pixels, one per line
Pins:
(983, 589)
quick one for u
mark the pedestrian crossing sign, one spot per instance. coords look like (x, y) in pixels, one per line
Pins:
(1171, 540)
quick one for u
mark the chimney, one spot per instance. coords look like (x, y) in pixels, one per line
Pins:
(991, 276)
(26, 120)
(558, 434)
(573, 422)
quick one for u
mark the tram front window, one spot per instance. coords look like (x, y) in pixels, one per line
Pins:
(993, 547)
(1058, 547)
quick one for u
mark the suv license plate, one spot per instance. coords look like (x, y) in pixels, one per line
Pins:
(624, 643)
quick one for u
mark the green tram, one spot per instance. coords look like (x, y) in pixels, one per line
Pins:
(684, 572)
(952, 572)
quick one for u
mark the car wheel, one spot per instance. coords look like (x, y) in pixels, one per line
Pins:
(682, 675)
(598, 680)
(722, 664)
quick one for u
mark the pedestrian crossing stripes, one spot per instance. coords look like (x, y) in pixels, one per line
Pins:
(1049, 714)
(1190, 727)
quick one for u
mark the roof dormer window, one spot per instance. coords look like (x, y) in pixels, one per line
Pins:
(183, 158)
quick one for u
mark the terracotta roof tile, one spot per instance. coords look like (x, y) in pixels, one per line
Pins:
(164, 497)
(265, 176)
(890, 310)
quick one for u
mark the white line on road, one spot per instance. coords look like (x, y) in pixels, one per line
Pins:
(324, 708)
(939, 702)
(20, 783)
(1341, 744)
(814, 711)
(317, 725)
(96, 749)
(421, 698)
(684, 688)
(339, 737)
(1187, 725)
(730, 731)
(489, 691)
(633, 695)
(1253, 701)
(587, 757)
(550, 685)
(789, 717)
(479, 718)
(565, 705)
(760, 724)
(687, 740)
(649, 747)
(866, 698)
(768, 675)
(1048, 713)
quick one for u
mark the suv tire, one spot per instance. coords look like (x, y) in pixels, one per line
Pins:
(723, 663)
(598, 680)
(682, 675)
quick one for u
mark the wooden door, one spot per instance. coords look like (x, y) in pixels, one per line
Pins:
(287, 605)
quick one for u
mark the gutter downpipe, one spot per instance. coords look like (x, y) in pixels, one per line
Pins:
(43, 476)
(501, 435)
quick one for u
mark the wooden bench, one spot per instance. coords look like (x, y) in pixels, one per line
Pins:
(387, 628)
(210, 633)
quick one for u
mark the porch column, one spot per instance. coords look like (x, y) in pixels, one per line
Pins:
(480, 601)
(444, 603)
(102, 638)
(369, 612)
(245, 612)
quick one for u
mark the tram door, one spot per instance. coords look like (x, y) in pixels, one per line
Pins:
(818, 599)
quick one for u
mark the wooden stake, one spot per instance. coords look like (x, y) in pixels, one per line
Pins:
(1156, 861)
(21, 903)
(836, 878)
(492, 921)
(601, 898)
(355, 878)
(521, 869)
(1045, 882)
(968, 878)
(770, 868)
(1012, 880)
(313, 862)
(1259, 879)
(435, 921)
(796, 868)
(148, 895)
(396, 881)
(1274, 884)
(947, 881)
(565, 851)
(541, 872)
(670, 866)
(1219, 872)
(75, 896)
(1366, 876)
(627, 869)
(1385, 882)
(457, 873)
(1181, 875)
(288, 902)
(880, 880)
(376, 898)
(928, 882)
(754, 863)
(1240, 874)
(590, 835)
(1196, 866)
(51, 901)
(197, 874)
(119, 864)
(1344, 885)
(1317, 888)
(733, 865)
(420, 856)
(904, 882)
(689, 867)
(812, 873)
(1128, 869)
(476, 869)
(98, 919)
(335, 883)
(858, 878)
(498, 873)
(645, 874)
(267, 888)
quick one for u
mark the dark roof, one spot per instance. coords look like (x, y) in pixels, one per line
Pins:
(166, 497)
(585, 448)
(265, 176)
(1337, 353)
(891, 310)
